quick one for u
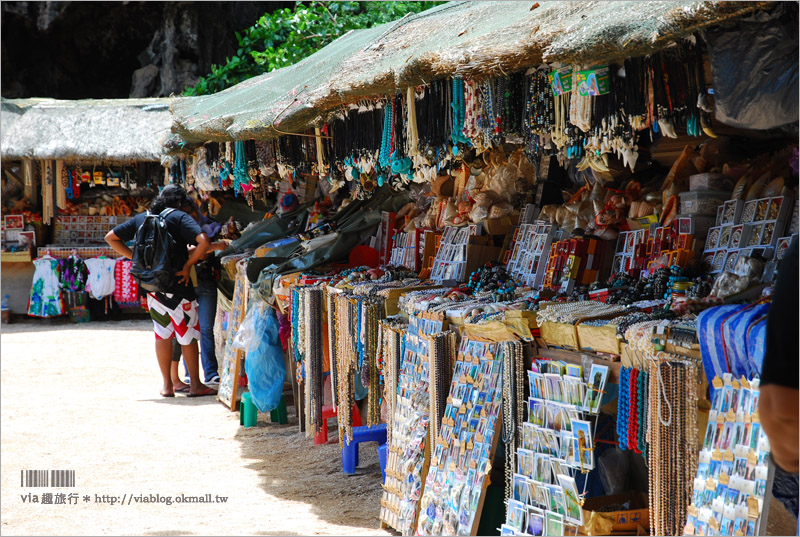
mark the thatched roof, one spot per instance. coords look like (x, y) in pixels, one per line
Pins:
(113, 130)
(471, 39)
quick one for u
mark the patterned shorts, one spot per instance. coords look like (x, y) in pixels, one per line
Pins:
(174, 319)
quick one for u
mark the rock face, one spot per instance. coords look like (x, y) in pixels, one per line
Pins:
(75, 50)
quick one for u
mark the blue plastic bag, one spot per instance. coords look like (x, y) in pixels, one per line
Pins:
(264, 365)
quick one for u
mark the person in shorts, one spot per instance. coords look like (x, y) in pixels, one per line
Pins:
(174, 312)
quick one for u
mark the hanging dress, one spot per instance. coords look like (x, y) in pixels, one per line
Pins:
(101, 277)
(73, 274)
(45, 299)
(126, 291)
(73, 280)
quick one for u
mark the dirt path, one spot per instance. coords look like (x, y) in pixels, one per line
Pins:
(86, 399)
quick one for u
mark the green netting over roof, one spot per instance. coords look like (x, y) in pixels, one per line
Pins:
(471, 39)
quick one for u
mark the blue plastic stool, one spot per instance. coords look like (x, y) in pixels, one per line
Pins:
(248, 411)
(383, 452)
(376, 433)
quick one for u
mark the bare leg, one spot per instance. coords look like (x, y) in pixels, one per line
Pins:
(177, 383)
(164, 355)
(191, 355)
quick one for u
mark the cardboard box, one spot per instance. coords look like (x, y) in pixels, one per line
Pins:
(478, 256)
(499, 226)
(599, 338)
(559, 335)
(599, 523)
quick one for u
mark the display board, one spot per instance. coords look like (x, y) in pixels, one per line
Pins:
(462, 455)
(529, 255)
(730, 489)
(409, 446)
(228, 391)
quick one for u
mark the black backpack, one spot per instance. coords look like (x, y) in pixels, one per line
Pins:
(153, 246)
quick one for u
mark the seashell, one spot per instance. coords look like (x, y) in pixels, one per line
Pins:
(669, 212)
(757, 190)
(741, 187)
(653, 197)
(561, 215)
(774, 187)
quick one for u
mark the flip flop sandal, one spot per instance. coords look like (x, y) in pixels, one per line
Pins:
(185, 389)
(208, 391)
(168, 394)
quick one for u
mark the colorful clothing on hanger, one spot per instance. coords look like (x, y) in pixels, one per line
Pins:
(45, 299)
(74, 274)
(126, 291)
(101, 277)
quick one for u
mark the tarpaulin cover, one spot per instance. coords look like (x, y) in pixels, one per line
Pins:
(354, 224)
(754, 68)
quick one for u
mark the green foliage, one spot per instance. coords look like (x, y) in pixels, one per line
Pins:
(287, 36)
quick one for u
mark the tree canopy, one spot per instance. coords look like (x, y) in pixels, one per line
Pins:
(288, 35)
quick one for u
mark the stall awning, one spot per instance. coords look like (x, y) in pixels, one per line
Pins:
(471, 39)
(105, 130)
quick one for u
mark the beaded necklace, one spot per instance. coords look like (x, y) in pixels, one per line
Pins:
(333, 345)
(623, 407)
(672, 451)
(458, 112)
(386, 135)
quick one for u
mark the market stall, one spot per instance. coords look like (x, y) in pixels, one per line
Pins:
(559, 322)
(73, 170)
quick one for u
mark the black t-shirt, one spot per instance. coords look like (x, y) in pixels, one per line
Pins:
(781, 358)
(184, 231)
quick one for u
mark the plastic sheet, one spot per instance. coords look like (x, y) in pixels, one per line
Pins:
(754, 68)
(613, 465)
(732, 334)
(204, 178)
(264, 364)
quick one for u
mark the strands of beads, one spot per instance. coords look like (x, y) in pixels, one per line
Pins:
(313, 359)
(623, 407)
(346, 360)
(371, 311)
(333, 346)
(392, 337)
(442, 356)
(569, 312)
(513, 403)
(297, 338)
(672, 446)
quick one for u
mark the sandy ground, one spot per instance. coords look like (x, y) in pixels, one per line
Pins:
(86, 399)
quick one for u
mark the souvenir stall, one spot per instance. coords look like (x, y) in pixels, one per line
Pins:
(86, 166)
(562, 329)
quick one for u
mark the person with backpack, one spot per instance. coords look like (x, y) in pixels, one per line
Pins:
(208, 273)
(161, 267)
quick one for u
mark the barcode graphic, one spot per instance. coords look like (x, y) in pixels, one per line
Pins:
(47, 478)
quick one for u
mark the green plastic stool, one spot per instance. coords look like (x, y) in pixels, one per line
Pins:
(248, 411)
(279, 415)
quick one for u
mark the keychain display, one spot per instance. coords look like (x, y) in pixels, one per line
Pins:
(731, 481)
(409, 450)
(462, 455)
